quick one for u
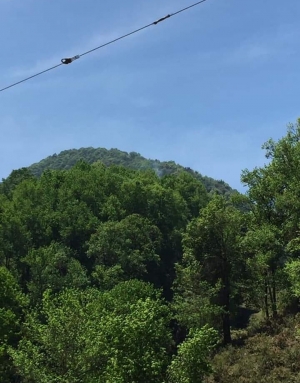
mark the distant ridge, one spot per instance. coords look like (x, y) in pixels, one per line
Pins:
(68, 158)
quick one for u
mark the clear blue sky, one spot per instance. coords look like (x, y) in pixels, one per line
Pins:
(205, 88)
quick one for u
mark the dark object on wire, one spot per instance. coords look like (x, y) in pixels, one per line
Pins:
(69, 60)
(162, 19)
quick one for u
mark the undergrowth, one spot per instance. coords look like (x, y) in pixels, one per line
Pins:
(264, 352)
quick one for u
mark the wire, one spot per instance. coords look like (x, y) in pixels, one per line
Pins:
(28, 78)
(70, 60)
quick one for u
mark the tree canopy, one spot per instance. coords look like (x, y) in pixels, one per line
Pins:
(139, 273)
(68, 158)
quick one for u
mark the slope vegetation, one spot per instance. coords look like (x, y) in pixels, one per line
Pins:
(68, 158)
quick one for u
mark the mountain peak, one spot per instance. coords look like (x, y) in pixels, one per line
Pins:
(133, 160)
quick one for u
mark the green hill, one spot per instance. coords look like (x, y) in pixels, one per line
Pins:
(68, 158)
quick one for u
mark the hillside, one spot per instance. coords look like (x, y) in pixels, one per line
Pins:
(110, 274)
(68, 158)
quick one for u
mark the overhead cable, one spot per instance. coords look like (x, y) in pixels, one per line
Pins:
(69, 60)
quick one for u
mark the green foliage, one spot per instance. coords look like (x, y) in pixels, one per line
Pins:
(54, 268)
(191, 363)
(68, 158)
(190, 188)
(11, 304)
(14, 238)
(212, 261)
(131, 243)
(79, 244)
(274, 194)
(118, 336)
(194, 300)
(106, 277)
(14, 179)
(274, 188)
(292, 270)
(102, 219)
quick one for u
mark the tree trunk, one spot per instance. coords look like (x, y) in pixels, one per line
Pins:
(274, 295)
(225, 301)
(226, 328)
(266, 300)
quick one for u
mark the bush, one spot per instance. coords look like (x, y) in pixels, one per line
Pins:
(269, 357)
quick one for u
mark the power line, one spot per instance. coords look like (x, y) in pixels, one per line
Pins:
(71, 59)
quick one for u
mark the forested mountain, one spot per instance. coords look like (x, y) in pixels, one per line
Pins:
(116, 275)
(68, 158)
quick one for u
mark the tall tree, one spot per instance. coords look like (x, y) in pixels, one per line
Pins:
(265, 252)
(274, 188)
(274, 193)
(213, 241)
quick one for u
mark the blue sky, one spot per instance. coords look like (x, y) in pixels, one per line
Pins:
(205, 88)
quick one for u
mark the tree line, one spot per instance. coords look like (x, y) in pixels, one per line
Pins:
(110, 274)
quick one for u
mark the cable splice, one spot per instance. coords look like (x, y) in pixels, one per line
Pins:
(70, 60)
(162, 19)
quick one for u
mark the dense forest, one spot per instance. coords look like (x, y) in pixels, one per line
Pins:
(68, 158)
(117, 274)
